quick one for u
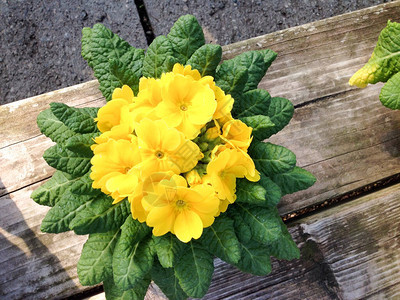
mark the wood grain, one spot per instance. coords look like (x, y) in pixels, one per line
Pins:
(343, 135)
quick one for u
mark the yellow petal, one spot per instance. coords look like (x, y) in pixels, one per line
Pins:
(188, 225)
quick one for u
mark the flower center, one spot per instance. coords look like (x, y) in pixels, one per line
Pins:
(127, 170)
(159, 154)
(184, 107)
(180, 203)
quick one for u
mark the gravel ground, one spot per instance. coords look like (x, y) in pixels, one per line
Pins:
(40, 39)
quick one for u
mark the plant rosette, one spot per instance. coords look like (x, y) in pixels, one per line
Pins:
(383, 66)
(172, 171)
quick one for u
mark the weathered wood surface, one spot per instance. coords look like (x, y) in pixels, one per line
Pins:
(342, 135)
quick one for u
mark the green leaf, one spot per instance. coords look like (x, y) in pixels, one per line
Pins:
(384, 61)
(83, 186)
(269, 57)
(86, 41)
(104, 47)
(273, 192)
(231, 78)
(263, 223)
(101, 216)
(134, 230)
(242, 229)
(131, 261)
(260, 124)
(167, 281)
(51, 192)
(186, 37)
(124, 75)
(133, 60)
(167, 248)
(280, 112)
(59, 217)
(294, 180)
(81, 143)
(255, 102)
(138, 292)
(220, 239)
(79, 120)
(390, 93)
(272, 159)
(250, 192)
(53, 128)
(157, 58)
(67, 161)
(254, 62)
(206, 59)
(95, 264)
(255, 259)
(284, 247)
(194, 270)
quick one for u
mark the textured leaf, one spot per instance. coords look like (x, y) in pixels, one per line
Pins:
(250, 192)
(60, 216)
(131, 261)
(269, 57)
(157, 58)
(242, 229)
(133, 60)
(384, 61)
(101, 216)
(263, 223)
(231, 78)
(260, 125)
(206, 59)
(81, 143)
(186, 37)
(272, 159)
(83, 186)
(106, 46)
(390, 93)
(280, 112)
(138, 292)
(124, 75)
(167, 248)
(220, 239)
(86, 41)
(67, 161)
(254, 62)
(51, 192)
(134, 230)
(254, 102)
(167, 281)
(294, 180)
(273, 192)
(194, 270)
(284, 247)
(53, 128)
(255, 259)
(95, 264)
(79, 120)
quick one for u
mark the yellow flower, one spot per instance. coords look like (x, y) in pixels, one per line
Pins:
(164, 149)
(237, 134)
(118, 132)
(223, 170)
(113, 168)
(193, 177)
(110, 114)
(148, 98)
(186, 71)
(181, 210)
(224, 104)
(187, 104)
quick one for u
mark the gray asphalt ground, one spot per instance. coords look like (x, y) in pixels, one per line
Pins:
(40, 39)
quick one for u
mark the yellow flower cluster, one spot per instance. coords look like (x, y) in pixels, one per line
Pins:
(173, 150)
